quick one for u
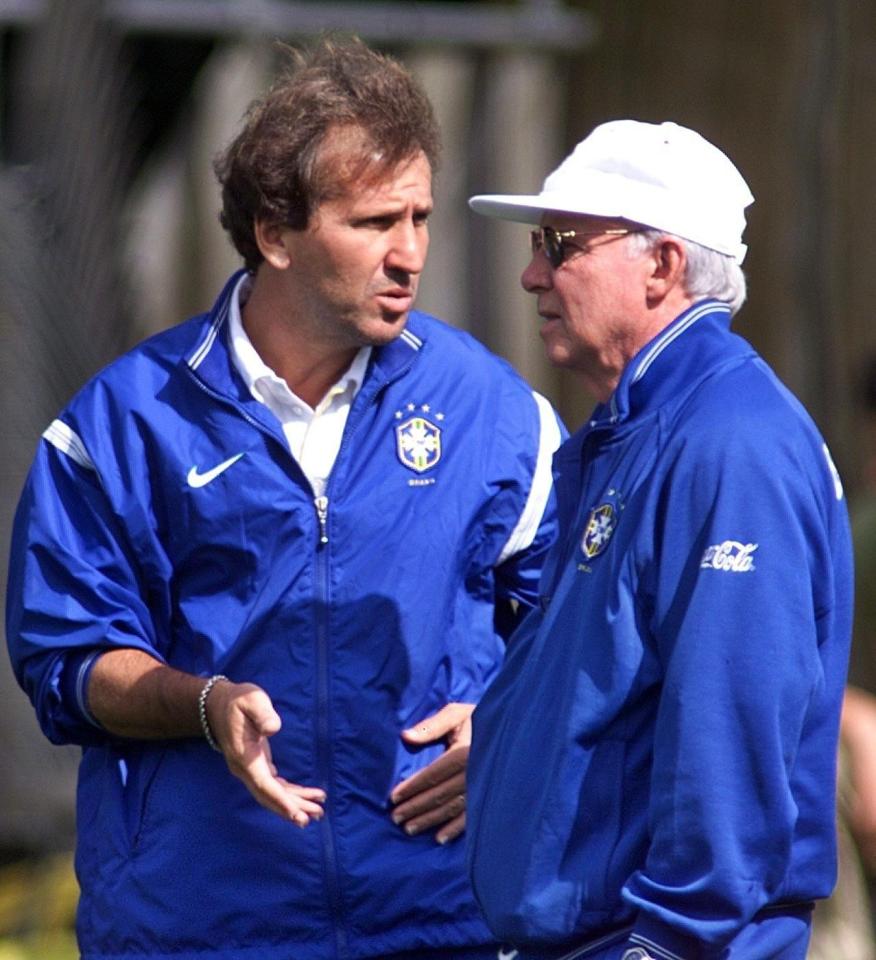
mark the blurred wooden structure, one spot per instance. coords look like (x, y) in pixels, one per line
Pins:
(786, 88)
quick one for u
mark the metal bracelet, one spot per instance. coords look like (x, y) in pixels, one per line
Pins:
(202, 710)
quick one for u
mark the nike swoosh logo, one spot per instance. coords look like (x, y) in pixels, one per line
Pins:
(197, 479)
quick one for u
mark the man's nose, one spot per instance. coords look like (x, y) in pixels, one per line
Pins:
(537, 275)
(410, 243)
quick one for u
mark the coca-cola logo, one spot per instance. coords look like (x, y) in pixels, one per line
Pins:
(731, 555)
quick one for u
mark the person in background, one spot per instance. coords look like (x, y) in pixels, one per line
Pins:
(264, 565)
(843, 927)
(652, 772)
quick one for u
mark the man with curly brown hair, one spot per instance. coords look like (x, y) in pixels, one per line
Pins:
(293, 530)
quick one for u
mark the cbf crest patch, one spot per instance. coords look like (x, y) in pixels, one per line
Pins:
(418, 443)
(597, 533)
(601, 524)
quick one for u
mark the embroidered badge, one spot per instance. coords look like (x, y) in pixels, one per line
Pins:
(418, 442)
(600, 526)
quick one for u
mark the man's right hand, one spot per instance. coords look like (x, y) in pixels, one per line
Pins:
(131, 694)
(243, 719)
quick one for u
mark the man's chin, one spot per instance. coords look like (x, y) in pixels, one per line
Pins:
(388, 328)
(396, 318)
(557, 353)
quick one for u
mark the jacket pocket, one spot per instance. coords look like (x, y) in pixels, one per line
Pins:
(143, 771)
(584, 827)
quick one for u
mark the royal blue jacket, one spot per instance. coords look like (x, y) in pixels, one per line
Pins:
(658, 751)
(357, 627)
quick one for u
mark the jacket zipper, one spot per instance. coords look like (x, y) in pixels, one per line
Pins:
(321, 504)
(323, 706)
(323, 727)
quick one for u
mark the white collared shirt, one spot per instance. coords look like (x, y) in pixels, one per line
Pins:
(314, 435)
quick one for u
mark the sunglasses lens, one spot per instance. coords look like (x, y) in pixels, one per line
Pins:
(553, 247)
(553, 242)
(547, 239)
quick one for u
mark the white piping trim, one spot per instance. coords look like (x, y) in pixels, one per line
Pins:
(542, 480)
(651, 945)
(834, 473)
(595, 944)
(710, 306)
(411, 339)
(62, 438)
(201, 351)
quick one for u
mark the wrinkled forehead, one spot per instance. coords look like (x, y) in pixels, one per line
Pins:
(349, 162)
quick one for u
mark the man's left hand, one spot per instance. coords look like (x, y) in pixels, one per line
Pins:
(435, 795)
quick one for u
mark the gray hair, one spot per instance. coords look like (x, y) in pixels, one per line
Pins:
(707, 274)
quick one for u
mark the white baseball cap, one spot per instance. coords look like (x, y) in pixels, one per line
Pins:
(660, 175)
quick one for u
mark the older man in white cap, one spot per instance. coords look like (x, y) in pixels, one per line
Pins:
(652, 774)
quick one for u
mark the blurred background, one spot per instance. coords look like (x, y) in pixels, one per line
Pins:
(112, 110)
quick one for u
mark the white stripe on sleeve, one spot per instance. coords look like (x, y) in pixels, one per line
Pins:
(60, 436)
(542, 479)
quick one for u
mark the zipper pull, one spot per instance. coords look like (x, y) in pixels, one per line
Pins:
(322, 515)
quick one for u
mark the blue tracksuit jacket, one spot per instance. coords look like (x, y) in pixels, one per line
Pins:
(436, 507)
(658, 751)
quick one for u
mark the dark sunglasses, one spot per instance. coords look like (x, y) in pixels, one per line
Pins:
(553, 242)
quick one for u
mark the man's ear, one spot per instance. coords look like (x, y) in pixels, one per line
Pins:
(271, 240)
(668, 266)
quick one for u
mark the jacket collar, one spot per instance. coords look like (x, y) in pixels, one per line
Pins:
(212, 362)
(670, 363)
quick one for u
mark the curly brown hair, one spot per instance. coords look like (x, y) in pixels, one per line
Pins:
(273, 170)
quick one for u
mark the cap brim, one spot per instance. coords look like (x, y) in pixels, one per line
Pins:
(520, 209)
(530, 209)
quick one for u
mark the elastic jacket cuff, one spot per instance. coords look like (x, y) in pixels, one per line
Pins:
(74, 685)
